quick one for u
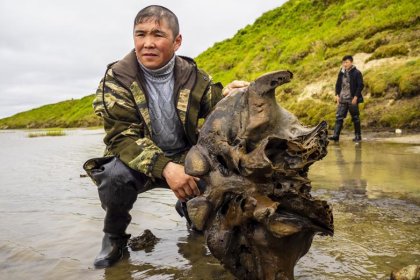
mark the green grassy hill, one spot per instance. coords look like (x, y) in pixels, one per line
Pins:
(70, 113)
(309, 37)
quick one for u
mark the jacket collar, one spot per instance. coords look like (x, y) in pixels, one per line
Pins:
(351, 69)
(127, 69)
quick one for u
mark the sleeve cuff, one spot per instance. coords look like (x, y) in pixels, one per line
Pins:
(158, 166)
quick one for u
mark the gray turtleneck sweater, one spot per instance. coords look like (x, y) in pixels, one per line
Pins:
(167, 130)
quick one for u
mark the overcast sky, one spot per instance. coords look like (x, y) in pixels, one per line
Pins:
(53, 50)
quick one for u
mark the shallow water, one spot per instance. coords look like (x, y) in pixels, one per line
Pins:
(51, 219)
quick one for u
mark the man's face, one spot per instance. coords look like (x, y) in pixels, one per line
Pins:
(154, 43)
(347, 64)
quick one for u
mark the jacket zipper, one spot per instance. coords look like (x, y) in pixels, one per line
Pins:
(178, 90)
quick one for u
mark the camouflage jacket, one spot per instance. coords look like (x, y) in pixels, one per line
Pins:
(121, 100)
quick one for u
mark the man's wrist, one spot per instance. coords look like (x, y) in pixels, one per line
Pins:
(166, 168)
(159, 165)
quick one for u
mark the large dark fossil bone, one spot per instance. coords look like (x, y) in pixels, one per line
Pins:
(257, 212)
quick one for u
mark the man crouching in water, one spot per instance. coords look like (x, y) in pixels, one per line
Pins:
(150, 102)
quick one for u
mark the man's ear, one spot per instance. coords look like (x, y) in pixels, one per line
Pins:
(177, 42)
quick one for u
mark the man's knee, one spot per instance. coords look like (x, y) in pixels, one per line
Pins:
(118, 185)
(354, 112)
(341, 113)
(339, 119)
(355, 118)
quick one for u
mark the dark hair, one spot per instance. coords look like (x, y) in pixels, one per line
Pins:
(348, 57)
(158, 13)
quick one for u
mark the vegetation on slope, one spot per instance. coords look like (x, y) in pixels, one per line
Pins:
(308, 37)
(70, 113)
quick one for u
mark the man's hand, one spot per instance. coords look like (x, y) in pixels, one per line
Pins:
(233, 86)
(337, 99)
(183, 185)
(354, 100)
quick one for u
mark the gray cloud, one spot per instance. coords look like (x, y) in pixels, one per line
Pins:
(56, 50)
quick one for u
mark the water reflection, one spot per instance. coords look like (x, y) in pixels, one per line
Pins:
(372, 169)
(203, 264)
(350, 170)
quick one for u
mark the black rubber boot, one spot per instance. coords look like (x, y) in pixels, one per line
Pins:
(337, 131)
(112, 251)
(357, 132)
(357, 138)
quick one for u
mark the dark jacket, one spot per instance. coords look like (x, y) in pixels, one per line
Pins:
(122, 101)
(356, 84)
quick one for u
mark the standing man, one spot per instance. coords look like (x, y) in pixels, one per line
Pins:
(150, 102)
(348, 94)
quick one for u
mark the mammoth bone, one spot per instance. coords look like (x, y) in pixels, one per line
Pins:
(257, 213)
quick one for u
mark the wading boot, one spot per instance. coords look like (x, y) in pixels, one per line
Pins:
(334, 138)
(357, 138)
(357, 132)
(112, 251)
(337, 130)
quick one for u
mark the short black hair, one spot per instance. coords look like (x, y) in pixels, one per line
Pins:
(158, 13)
(347, 57)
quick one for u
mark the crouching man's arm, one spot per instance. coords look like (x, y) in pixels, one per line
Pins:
(126, 137)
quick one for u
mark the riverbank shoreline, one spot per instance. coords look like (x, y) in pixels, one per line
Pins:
(406, 137)
(411, 137)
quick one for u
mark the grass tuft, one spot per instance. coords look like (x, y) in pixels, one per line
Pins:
(56, 132)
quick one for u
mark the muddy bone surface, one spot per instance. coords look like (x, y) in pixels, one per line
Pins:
(257, 212)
